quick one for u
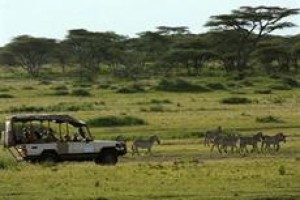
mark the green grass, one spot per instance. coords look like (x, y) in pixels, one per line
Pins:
(181, 167)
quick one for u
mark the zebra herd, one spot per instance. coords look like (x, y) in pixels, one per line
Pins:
(217, 138)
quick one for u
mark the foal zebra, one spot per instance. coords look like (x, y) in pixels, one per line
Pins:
(272, 140)
(250, 140)
(144, 144)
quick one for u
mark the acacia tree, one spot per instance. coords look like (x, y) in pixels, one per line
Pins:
(62, 55)
(250, 25)
(173, 30)
(30, 53)
(92, 48)
(191, 51)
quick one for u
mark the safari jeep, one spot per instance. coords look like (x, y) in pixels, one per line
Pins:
(57, 138)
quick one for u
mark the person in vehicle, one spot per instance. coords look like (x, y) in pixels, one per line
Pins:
(50, 137)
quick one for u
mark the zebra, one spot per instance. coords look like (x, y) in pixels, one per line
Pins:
(250, 140)
(211, 134)
(272, 140)
(230, 141)
(223, 141)
(217, 141)
(144, 144)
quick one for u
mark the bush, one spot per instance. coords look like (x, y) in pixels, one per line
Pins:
(216, 86)
(269, 119)
(282, 170)
(134, 88)
(82, 85)
(81, 93)
(61, 93)
(236, 100)
(104, 86)
(45, 82)
(246, 83)
(28, 88)
(25, 108)
(180, 85)
(60, 87)
(6, 96)
(157, 108)
(280, 87)
(115, 121)
(290, 82)
(157, 101)
(240, 91)
(263, 91)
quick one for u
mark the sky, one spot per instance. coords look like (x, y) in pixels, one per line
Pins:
(53, 18)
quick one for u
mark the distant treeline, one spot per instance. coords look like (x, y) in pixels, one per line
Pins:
(239, 42)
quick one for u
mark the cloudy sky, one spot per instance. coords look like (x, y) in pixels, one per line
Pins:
(52, 18)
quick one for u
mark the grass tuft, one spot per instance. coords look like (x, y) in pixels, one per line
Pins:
(236, 100)
(6, 96)
(269, 119)
(81, 93)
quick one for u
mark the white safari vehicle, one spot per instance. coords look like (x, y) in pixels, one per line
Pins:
(54, 138)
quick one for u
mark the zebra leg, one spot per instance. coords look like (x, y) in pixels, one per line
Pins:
(149, 151)
(219, 148)
(212, 148)
(278, 147)
(133, 150)
(262, 147)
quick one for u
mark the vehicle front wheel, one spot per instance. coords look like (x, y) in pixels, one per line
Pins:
(107, 158)
(48, 157)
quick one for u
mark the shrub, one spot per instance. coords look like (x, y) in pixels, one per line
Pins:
(61, 93)
(290, 82)
(28, 88)
(60, 87)
(240, 91)
(280, 87)
(180, 85)
(278, 100)
(246, 83)
(6, 96)
(282, 170)
(115, 121)
(45, 82)
(269, 119)
(82, 85)
(81, 93)
(236, 100)
(158, 108)
(134, 88)
(25, 108)
(157, 101)
(216, 86)
(104, 86)
(263, 91)
(4, 89)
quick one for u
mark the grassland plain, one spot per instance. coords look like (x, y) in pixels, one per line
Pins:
(181, 167)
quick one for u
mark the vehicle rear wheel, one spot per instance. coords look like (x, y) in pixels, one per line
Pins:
(107, 158)
(48, 157)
